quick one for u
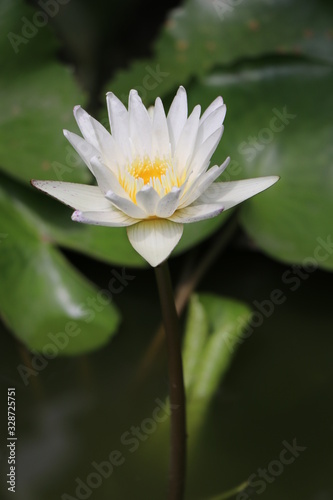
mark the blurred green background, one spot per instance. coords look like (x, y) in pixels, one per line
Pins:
(78, 305)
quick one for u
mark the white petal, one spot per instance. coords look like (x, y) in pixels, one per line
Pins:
(79, 196)
(95, 133)
(213, 122)
(127, 206)
(200, 185)
(106, 179)
(111, 218)
(151, 110)
(140, 125)
(160, 132)
(185, 146)
(203, 154)
(194, 213)
(147, 198)
(82, 147)
(118, 117)
(154, 240)
(217, 103)
(177, 116)
(168, 204)
(233, 193)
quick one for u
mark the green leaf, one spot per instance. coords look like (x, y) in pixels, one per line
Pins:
(231, 493)
(279, 121)
(202, 34)
(194, 340)
(225, 319)
(37, 96)
(47, 304)
(213, 331)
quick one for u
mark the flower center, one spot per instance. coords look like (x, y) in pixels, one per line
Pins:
(157, 172)
(146, 170)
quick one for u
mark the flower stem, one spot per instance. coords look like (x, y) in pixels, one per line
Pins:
(183, 292)
(176, 384)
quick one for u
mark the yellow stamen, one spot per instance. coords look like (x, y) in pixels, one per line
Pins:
(145, 169)
(158, 173)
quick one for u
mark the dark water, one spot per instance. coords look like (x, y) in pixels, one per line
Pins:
(80, 419)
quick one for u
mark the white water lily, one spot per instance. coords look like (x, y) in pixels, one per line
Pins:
(152, 172)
